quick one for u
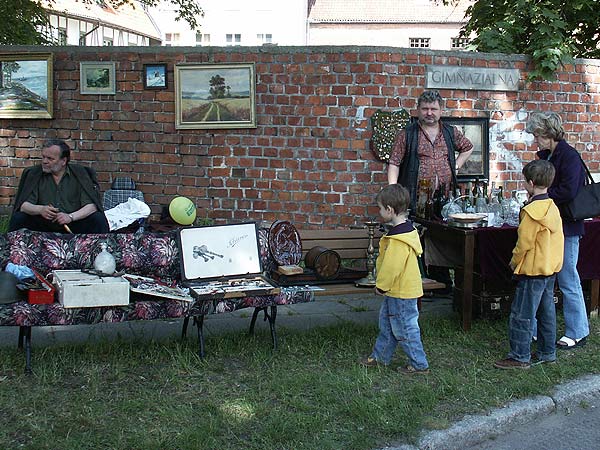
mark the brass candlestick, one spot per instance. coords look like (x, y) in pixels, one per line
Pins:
(369, 280)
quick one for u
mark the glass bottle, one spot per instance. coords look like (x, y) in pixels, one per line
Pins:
(422, 197)
(429, 205)
(105, 262)
(469, 201)
(495, 210)
(514, 208)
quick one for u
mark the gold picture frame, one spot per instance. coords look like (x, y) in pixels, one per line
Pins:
(213, 96)
(97, 78)
(26, 84)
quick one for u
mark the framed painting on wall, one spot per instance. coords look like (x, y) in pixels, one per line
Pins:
(476, 129)
(155, 76)
(26, 86)
(212, 96)
(97, 77)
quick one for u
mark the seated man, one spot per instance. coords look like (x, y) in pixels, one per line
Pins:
(58, 196)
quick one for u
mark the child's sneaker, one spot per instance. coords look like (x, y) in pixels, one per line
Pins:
(410, 370)
(510, 363)
(369, 361)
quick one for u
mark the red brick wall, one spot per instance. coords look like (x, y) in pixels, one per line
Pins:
(309, 159)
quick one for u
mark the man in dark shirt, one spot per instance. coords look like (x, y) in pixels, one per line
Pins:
(58, 196)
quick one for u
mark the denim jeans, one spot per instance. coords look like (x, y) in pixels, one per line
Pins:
(576, 321)
(533, 295)
(399, 324)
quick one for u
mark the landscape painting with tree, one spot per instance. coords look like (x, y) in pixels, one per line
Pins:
(215, 96)
(26, 86)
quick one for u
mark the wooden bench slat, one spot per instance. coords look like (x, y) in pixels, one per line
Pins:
(345, 253)
(336, 234)
(339, 245)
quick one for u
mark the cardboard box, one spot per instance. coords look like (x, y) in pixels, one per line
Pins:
(223, 261)
(77, 289)
(41, 296)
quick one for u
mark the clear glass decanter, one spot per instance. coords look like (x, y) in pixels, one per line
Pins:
(105, 262)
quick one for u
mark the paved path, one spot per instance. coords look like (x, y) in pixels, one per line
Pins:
(325, 310)
(568, 428)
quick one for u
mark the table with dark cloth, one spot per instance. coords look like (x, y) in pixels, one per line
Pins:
(489, 249)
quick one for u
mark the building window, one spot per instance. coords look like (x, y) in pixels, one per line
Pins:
(202, 39)
(264, 38)
(107, 41)
(233, 39)
(171, 38)
(460, 42)
(62, 36)
(420, 42)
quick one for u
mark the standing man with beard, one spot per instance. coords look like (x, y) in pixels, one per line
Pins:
(58, 196)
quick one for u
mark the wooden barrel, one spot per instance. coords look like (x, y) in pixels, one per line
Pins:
(325, 262)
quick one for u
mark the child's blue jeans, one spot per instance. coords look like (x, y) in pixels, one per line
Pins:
(399, 324)
(533, 295)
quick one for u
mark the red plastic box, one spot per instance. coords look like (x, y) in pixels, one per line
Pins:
(42, 296)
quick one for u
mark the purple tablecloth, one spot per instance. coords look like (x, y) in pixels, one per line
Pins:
(494, 249)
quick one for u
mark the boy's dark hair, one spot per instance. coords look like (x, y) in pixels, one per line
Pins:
(540, 172)
(396, 197)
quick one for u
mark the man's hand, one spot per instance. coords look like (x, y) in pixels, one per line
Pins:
(50, 213)
(63, 218)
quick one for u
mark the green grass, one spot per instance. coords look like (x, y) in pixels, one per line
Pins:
(310, 394)
(4, 224)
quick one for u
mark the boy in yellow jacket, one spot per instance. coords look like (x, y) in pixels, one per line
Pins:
(537, 257)
(399, 280)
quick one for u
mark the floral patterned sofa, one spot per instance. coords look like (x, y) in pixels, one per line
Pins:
(149, 254)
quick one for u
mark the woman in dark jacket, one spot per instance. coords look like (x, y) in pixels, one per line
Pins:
(548, 131)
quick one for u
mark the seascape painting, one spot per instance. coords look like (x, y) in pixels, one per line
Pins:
(26, 86)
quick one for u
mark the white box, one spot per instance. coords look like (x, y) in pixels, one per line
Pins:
(77, 289)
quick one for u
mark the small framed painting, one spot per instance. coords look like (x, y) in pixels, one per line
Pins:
(155, 76)
(214, 96)
(26, 86)
(97, 78)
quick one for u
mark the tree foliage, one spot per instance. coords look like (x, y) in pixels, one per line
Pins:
(25, 22)
(552, 32)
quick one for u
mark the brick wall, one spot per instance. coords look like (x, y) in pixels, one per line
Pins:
(308, 160)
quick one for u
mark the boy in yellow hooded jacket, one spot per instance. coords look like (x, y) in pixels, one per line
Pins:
(537, 257)
(399, 280)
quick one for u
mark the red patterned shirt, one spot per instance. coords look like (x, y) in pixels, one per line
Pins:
(433, 156)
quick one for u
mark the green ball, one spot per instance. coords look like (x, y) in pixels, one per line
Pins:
(182, 210)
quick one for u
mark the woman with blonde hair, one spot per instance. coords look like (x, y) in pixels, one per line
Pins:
(549, 133)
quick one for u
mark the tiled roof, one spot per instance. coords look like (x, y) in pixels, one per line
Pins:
(131, 17)
(387, 11)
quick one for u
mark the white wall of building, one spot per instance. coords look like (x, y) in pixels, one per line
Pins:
(248, 23)
(440, 35)
(99, 34)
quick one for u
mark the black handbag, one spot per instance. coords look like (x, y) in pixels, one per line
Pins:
(586, 203)
(386, 125)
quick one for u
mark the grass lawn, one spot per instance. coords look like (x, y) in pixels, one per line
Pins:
(310, 394)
